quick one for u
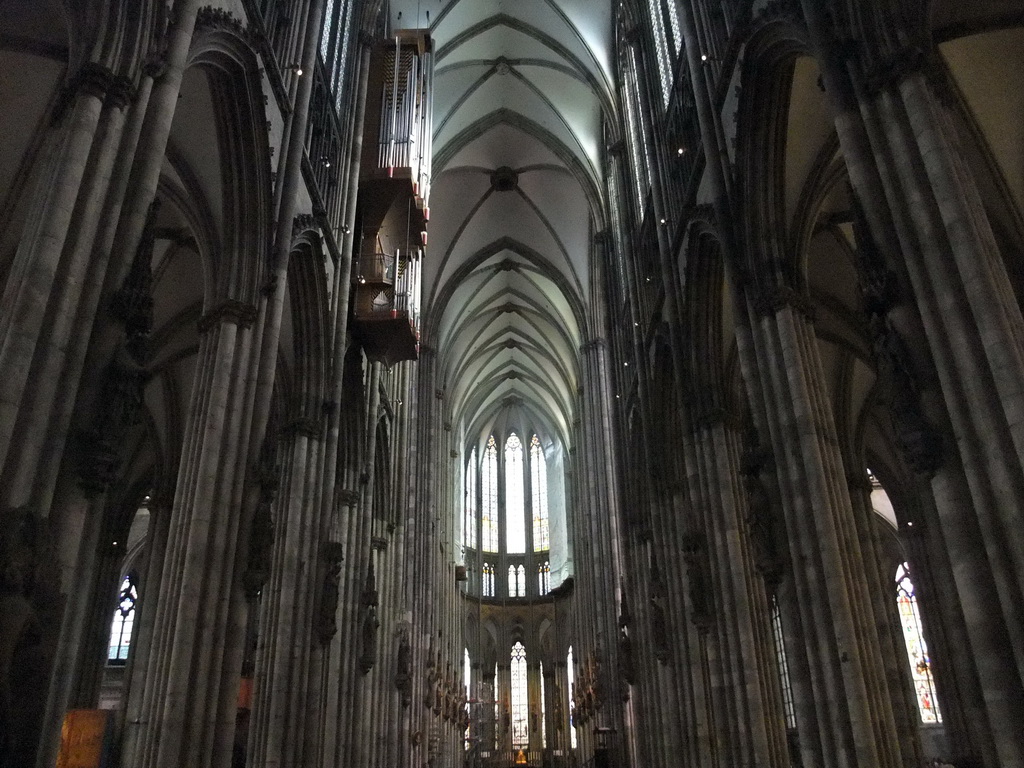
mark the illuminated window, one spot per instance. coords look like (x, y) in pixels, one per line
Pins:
(487, 586)
(780, 659)
(467, 671)
(544, 578)
(570, 672)
(520, 699)
(917, 651)
(543, 712)
(661, 50)
(673, 23)
(123, 622)
(490, 497)
(539, 491)
(515, 511)
(469, 527)
(516, 581)
(636, 130)
(496, 718)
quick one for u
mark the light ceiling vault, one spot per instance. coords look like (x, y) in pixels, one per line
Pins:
(519, 90)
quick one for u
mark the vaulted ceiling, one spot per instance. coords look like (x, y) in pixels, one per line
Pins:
(519, 90)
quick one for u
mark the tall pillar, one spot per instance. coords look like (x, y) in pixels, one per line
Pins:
(830, 571)
(179, 715)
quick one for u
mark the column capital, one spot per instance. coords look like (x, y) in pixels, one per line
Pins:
(348, 497)
(769, 300)
(229, 310)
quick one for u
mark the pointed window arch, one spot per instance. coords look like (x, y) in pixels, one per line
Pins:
(489, 486)
(487, 585)
(661, 50)
(515, 492)
(539, 492)
(570, 671)
(543, 712)
(469, 517)
(520, 699)
(467, 672)
(123, 622)
(917, 651)
(544, 578)
(516, 581)
(788, 709)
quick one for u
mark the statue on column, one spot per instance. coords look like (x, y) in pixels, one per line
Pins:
(326, 620)
(370, 622)
(403, 668)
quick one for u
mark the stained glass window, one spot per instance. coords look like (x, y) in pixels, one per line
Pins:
(515, 511)
(661, 50)
(490, 497)
(673, 23)
(544, 578)
(520, 699)
(469, 527)
(543, 712)
(570, 672)
(488, 580)
(495, 694)
(788, 709)
(917, 651)
(516, 581)
(539, 491)
(123, 622)
(636, 131)
(467, 671)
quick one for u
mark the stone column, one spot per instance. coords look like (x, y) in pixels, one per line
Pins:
(750, 717)
(180, 716)
(831, 572)
(71, 178)
(925, 211)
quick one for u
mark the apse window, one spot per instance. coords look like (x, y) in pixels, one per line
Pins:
(506, 499)
(520, 699)
(516, 581)
(917, 650)
(123, 623)
(488, 580)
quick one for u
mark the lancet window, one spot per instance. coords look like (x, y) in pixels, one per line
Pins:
(788, 708)
(490, 497)
(539, 489)
(469, 518)
(515, 523)
(917, 651)
(570, 671)
(123, 622)
(543, 712)
(520, 699)
(487, 587)
(661, 50)
(506, 515)
(517, 581)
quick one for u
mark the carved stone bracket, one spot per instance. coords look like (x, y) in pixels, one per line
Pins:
(770, 300)
(348, 497)
(231, 311)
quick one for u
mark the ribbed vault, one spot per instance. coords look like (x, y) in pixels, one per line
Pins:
(519, 89)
